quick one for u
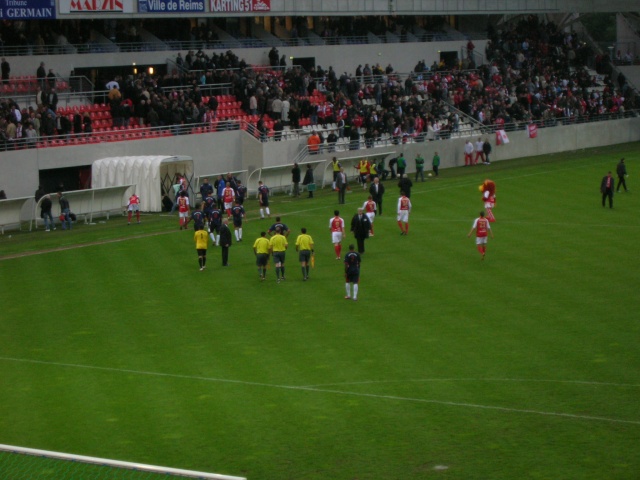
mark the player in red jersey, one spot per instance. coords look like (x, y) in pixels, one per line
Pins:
(483, 228)
(183, 210)
(228, 197)
(336, 225)
(404, 207)
(133, 206)
(370, 208)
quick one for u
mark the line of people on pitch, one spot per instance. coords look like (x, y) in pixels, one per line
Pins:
(482, 149)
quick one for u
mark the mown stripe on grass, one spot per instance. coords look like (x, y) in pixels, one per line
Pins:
(331, 391)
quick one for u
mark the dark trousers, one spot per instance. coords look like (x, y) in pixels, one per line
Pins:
(621, 181)
(225, 256)
(378, 201)
(341, 193)
(360, 244)
(608, 193)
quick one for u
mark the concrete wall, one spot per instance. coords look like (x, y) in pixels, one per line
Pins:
(237, 150)
(402, 56)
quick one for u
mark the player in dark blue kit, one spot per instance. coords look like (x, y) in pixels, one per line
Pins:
(241, 192)
(205, 189)
(215, 222)
(263, 199)
(284, 230)
(237, 212)
(198, 218)
(209, 204)
(352, 272)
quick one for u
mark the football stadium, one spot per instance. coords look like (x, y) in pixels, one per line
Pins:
(309, 240)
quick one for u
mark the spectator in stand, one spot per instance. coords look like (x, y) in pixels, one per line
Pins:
(6, 70)
(51, 79)
(41, 75)
(313, 143)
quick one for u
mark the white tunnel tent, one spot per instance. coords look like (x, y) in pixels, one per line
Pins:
(152, 175)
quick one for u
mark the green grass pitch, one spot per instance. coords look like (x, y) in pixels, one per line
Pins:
(522, 366)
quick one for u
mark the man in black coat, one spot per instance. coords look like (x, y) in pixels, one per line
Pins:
(360, 227)
(295, 179)
(225, 241)
(621, 170)
(6, 69)
(606, 188)
(405, 185)
(376, 190)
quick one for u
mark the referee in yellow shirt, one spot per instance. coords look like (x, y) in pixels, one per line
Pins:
(202, 242)
(278, 245)
(261, 249)
(304, 247)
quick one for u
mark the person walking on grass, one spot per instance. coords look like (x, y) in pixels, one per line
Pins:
(482, 227)
(621, 170)
(352, 273)
(202, 243)
(263, 199)
(404, 208)
(361, 228)
(225, 241)
(133, 206)
(419, 167)
(261, 250)
(304, 247)
(336, 225)
(606, 188)
(278, 246)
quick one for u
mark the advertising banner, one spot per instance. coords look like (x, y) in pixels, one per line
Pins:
(170, 6)
(96, 6)
(27, 9)
(239, 6)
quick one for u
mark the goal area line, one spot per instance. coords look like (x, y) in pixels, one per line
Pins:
(116, 463)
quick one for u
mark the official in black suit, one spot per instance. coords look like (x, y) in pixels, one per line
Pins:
(606, 187)
(225, 241)
(360, 227)
(621, 170)
(341, 185)
(376, 190)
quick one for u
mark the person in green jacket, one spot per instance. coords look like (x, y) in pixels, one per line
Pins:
(435, 163)
(401, 165)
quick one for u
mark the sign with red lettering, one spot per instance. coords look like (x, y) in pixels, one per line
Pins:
(239, 6)
(96, 6)
(533, 130)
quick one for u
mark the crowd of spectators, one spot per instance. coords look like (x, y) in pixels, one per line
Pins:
(535, 73)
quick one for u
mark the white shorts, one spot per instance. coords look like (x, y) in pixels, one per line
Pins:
(183, 214)
(481, 240)
(228, 206)
(134, 207)
(489, 205)
(403, 216)
(371, 216)
(336, 237)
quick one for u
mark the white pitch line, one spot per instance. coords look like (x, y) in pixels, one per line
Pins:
(514, 380)
(336, 392)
